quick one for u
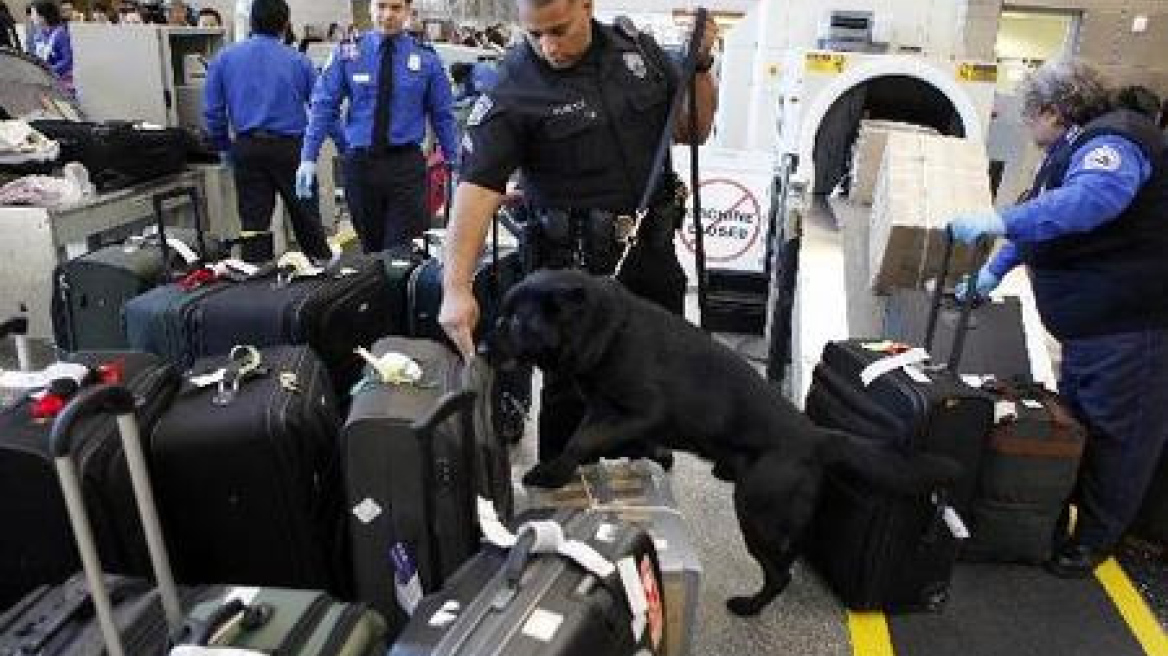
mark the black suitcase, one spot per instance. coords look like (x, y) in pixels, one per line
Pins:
(38, 549)
(520, 603)
(736, 302)
(254, 455)
(346, 307)
(415, 456)
(90, 291)
(876, 549)
(400, 264)
(996, 340)
(496, 273)
(118, 154)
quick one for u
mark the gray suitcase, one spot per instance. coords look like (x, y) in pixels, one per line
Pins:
(519, 603)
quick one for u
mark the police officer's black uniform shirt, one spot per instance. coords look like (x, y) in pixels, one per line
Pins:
(582, 137)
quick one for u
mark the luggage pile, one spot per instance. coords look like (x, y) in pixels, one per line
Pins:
(1017, 443)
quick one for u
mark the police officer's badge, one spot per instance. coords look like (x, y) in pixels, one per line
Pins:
(479, 112)
(636, 64)
(1103, 158)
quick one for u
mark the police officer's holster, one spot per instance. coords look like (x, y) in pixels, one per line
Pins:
(593, 240)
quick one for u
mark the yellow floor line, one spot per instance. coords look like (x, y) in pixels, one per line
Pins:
(870, 636)
(1133, 608)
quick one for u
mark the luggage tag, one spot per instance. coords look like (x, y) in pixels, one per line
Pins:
(887, 365)
(407, 583)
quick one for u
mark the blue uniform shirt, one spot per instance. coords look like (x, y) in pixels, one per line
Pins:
(1105, 175)
(259, 84)
(54, 46)
(421, 88)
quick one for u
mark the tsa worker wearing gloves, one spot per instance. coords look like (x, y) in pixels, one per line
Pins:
(1093, 233)
(261, 87)
(393, 84)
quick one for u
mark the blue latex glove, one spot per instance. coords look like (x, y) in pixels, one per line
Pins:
(305, 179)
(986, 283)
(969, 227)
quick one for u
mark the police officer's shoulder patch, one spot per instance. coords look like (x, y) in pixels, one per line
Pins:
(1103, 158)
(480, 110)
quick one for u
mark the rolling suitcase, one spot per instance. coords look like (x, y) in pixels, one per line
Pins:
(118, 154)
(38, 549)
(1027, 475)
(521, 602)
(334, 313)
(264, 620)
(259, 443)
(639, 493)
(880, 550)
(415, 456)
(90, 291)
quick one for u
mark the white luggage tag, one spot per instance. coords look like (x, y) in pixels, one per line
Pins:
(392, 368)
(891, 363)
(30, 380)
(407, 584)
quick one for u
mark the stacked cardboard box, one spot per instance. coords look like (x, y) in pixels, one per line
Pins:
(868, 154)
(924, 181)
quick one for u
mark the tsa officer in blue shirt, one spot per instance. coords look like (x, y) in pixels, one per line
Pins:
(260, 88)
(393, 83)
(1093, 233)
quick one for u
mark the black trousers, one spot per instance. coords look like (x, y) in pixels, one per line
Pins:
(651, 272)
(264, 167)
(386, 196)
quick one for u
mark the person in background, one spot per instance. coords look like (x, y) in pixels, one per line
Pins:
(260, 88)
(352, 33)
(209, 17)
(51, 42)
(9, 37)
(393, 84)
(177, 14)
(1139, 99)
(1093, 233)
(334, 33)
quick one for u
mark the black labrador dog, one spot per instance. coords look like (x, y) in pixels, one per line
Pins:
(648, 375)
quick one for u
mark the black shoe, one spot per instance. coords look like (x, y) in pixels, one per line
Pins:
(1076, 561)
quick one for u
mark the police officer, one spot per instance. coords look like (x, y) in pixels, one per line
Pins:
(579, 109)
(1093, 232)
(393, 82)
(260, 88)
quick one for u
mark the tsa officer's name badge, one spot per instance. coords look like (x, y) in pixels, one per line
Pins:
(414, 63)
(636, 64)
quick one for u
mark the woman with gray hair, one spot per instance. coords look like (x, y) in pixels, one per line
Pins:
(1093, 232)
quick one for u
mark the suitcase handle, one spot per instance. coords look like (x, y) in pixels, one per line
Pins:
(63, 442)
(967, 306)
(17, 328)
(159, 200)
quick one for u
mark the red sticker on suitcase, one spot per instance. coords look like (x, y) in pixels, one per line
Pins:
(655, 614)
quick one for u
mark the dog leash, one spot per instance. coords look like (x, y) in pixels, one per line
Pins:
(685, 83)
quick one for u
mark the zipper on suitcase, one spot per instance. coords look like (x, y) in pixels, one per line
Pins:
(304, 627)
(346, 624)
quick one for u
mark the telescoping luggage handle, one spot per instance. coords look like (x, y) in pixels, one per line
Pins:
(120, 402)
(159, 200)
(17, 328)
(967, 305)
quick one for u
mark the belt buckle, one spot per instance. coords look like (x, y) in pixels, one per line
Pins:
(624, 225)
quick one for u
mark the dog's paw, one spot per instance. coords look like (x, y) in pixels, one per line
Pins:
(549, 475)
(744, 606)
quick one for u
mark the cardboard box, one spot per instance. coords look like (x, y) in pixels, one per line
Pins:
(868, 155)
(924, 181)
(638, 492)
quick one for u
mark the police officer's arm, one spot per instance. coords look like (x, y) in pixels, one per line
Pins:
(491, 154)
(440, 108)
(215, 106)
(1106, 174)
(325, 107)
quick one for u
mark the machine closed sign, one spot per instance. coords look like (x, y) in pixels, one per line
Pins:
(832, 63)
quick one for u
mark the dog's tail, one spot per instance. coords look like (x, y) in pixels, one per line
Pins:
(885, 465)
